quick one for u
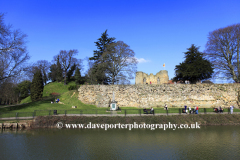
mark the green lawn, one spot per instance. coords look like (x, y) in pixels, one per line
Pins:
(68, 98)
(65, 98)
(54, 87)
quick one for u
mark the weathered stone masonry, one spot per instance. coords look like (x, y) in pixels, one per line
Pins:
(160, 78)
(203, 95)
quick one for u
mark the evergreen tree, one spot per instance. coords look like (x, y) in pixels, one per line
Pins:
(77, 76)
(98, 70)
(53, 73)
(98, 74)
(70, 72)
(194, 68)
(101, 45)
(37, 86)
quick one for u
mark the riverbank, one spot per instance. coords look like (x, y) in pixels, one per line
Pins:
(51, 121)
(219, 119)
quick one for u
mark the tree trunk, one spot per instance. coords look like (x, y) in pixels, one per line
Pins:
(65, 77)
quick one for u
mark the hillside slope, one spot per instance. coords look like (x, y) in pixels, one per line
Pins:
(67, 99)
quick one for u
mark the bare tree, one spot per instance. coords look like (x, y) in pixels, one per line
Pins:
(66, 59)
(13, 52)
(222, 50)
(43, 66)
(122, 79)
(119, 62)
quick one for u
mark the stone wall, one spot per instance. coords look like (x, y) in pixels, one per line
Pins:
(174, 95)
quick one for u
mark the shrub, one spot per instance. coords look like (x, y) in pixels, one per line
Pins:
(72, 87)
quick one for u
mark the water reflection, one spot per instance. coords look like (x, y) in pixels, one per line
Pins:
(212, 142)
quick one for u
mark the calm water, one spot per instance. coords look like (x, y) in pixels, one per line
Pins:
(211, 142)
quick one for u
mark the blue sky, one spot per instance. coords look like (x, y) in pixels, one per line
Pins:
(158, 31)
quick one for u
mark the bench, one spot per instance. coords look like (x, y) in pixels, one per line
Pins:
(146, 111)
(216, 110)
(183, 110)
(192, 111)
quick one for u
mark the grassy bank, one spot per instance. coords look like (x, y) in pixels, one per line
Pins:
(67, 98)
(54, 87)
(218, 119)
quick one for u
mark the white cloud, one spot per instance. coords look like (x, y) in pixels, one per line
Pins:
(142, 60)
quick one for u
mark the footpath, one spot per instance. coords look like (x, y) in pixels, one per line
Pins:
(120, 115)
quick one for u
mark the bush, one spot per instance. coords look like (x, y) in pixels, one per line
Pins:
(72, 87)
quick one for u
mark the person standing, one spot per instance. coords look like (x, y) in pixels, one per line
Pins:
(165, 107)
(151, 110)
(197, 110)
(185, 109)
(189, 110)
(150, 82)
(231, 109)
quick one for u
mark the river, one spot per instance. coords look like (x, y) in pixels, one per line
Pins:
(208, 142)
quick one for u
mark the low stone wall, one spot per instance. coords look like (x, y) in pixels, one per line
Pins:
(174, 95)
(202, 119)
(13, 125)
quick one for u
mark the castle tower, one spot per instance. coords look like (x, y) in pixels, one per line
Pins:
(163, 74)
(139, 77)
(160, 78)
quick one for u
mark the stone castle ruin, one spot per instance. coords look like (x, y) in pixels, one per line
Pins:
(160, 78)
(161, 93)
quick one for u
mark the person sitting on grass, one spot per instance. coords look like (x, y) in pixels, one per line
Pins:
(57, 100)
(51, 102)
